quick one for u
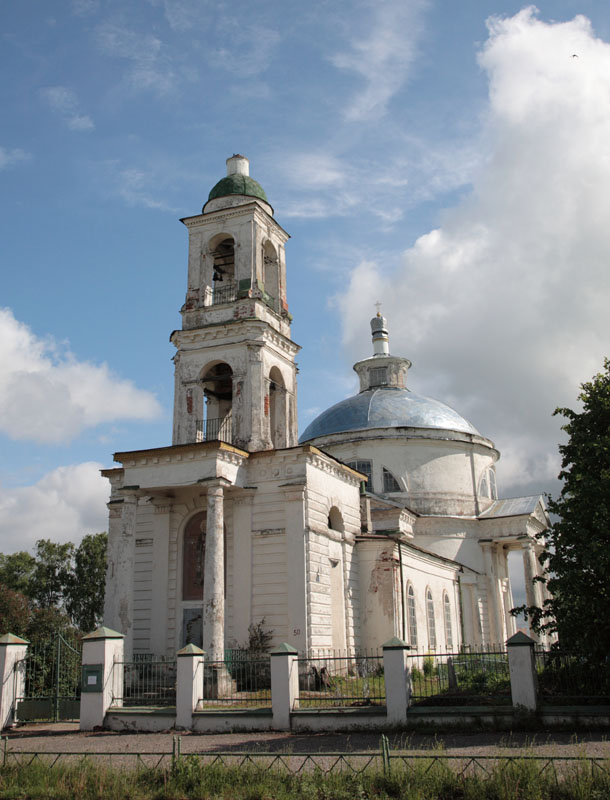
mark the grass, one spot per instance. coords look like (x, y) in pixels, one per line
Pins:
(190, 778)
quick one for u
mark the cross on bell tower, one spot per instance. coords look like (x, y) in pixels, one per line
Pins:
(235, 371)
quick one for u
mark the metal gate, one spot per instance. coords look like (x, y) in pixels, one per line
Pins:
(51, 683)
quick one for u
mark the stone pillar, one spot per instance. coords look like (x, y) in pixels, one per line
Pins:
(102, 681)
(284, 685)
(522, 667)
(189, 684)
(162, 531)
(214, 577)
(12, 675)
(397, 677)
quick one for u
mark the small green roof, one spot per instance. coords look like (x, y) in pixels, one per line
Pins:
(238, 184)
(10, 638)
(191, 650)
(104, 633)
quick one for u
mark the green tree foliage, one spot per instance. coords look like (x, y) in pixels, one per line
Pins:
(85, 601)
(16, 571)
(578, 556)
(60, 588)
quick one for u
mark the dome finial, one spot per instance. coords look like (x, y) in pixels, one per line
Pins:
(379, 329)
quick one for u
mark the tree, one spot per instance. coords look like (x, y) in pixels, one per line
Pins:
(16, 571)
(15, 612)
(577, 558)
(85, 598)
(52, 577)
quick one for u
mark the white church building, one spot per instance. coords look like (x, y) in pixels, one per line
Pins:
(382, 520)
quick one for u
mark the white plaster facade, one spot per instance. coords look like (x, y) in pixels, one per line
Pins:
(236, 522)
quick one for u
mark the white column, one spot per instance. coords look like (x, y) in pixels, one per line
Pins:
(532, 589)
(214, 577)
(189, 684)
(522, 667)
(12, 675)
(102, 681)
(284, 685)
(397, 676)
(494, 600)
(161, 527)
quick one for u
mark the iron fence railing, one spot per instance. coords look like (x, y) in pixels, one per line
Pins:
(333, 678)
(51, 680)
(146, 681)
(468, 677)
(571, 679)
(226, 293)
(240, 680)
(219, 430)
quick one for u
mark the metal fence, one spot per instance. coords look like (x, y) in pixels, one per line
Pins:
(51, 685)
(215, 430)
(572, 679)
(146, 681)
(467, 677)
(238, 681)
(334, 679)
(224, 294)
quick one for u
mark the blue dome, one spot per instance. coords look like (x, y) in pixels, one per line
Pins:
(386, 408)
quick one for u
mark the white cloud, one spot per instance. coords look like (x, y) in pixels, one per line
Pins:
(48, 396)
(150, 66)
(63, 101)
(84, 8)
(64, 505)
(245, 50)
(9, 158)
(381, 55)
(504, 307)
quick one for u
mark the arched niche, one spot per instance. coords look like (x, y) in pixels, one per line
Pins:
(216, 423)
(223, 277)
(335, 520)
(278, 409)
(271, 273)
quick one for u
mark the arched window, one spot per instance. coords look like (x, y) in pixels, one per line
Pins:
(483, 487)
(447, 616)
(411, 618)
(430, 620)
(366, 467)
(217, 420)
(278, 399)
(335, 520)
(271, 274)
(390, 484)
(223, 271)
(492, 484)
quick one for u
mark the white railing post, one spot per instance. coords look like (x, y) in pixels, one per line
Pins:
(12, 675)
(101, 682)
(522, 667)
(284, 685)
(397, 677)
(189, 684)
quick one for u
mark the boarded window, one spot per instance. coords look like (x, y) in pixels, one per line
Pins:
(431, 621)
(412, 619)
(193, 555)
(448, 628)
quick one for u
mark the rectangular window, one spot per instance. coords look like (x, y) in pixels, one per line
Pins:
(378, 376)
(390, 484)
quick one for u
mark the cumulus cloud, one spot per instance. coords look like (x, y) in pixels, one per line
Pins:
(381, 55)
(47, 395)
(504, 307)
(64, 505)
(63, 101)
(11, 157)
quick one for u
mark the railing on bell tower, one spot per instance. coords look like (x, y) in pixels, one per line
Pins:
(215, 430)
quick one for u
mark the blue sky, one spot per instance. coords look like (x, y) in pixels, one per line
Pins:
(451, 160)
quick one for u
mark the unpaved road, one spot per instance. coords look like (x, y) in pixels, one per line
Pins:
(65, 737)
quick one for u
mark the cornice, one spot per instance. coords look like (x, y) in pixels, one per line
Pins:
(221, 214)
(209, 333)
(181, 452)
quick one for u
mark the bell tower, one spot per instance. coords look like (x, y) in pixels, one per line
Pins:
(235, 371)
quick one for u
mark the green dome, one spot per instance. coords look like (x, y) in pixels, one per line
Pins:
(238, 184)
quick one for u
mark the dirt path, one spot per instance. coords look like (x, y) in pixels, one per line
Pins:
(65, 737)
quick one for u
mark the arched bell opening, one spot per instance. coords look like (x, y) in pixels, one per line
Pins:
(278, 409)
(217, 417)
(222, 251)
(271, 273)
